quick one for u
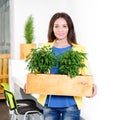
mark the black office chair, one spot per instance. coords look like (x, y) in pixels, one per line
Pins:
(23, 107)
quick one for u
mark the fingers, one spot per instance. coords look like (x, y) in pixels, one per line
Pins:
(94, 91)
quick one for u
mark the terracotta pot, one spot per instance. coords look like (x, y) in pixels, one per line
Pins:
(25, 49)
(55, 84)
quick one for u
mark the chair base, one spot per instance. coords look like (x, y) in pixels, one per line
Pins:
(35, 116)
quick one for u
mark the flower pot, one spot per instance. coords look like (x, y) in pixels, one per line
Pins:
(25, 49)
(55, 84)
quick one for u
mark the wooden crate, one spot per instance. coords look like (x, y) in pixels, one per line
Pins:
(3, 71)
(59, 84)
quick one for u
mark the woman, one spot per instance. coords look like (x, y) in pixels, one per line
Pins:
(61, 37)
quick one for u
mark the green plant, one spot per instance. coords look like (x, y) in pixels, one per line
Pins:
(71, 61)
(29, 30)
(40, 60)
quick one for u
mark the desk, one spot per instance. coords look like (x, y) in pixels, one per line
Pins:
(20, 82)
(18, 75)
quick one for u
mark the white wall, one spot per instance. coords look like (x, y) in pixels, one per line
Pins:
(97, 25)
(42, 11)
(103, 47)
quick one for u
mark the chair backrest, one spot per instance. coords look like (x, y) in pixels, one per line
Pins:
(9, 96)
(5, 86)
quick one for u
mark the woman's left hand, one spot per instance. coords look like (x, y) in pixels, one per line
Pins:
(94, 91)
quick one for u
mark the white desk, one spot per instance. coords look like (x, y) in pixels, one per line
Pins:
(18, 75)
(20, 81)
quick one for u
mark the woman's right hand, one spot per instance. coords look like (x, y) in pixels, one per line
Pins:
(94, 91)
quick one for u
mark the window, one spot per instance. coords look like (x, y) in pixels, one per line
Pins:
(4, 28)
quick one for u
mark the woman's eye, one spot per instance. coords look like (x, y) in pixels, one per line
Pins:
(56, 26)
(65, 26)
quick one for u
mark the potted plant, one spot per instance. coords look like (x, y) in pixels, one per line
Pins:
(68, 82)
(29, 37)
(40, 60)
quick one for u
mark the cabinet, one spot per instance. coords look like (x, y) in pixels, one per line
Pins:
(4, 59)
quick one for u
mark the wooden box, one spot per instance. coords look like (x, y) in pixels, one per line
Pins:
(55, 84)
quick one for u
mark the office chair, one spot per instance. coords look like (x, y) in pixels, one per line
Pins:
(23, 107)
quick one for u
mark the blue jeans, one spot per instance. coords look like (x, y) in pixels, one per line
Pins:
(67, 113)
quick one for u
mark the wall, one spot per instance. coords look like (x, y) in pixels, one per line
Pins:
(98, 23)
(97, 28)
(42, 10)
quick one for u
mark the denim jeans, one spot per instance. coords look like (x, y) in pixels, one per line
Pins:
(67, 113)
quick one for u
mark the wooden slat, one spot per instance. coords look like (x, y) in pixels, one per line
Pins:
(2, 96)
(1, 91)
(4, 76)
(4, 56)
(3, 71)
(0, 66)
(59, 84)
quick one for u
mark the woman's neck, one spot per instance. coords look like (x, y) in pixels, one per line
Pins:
(61, 43)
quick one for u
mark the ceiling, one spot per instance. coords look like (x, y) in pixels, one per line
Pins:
(2, 2)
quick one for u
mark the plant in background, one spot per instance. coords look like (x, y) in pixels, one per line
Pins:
(29, 30)
(71, 61)
(40, 60)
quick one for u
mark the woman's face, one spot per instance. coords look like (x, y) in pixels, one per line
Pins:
(60, 29)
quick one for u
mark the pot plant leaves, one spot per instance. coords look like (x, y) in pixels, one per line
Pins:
(29, 30)
(71, 61)
(40, 60)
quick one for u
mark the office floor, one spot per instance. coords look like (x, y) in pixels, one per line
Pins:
(3, 110)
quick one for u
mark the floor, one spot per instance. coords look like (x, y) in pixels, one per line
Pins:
(3, 110)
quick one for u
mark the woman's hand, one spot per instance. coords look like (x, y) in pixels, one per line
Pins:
(94, 91)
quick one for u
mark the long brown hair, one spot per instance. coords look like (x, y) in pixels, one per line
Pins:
(71, 37)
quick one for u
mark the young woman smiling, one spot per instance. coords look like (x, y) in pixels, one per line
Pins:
(61, 37)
